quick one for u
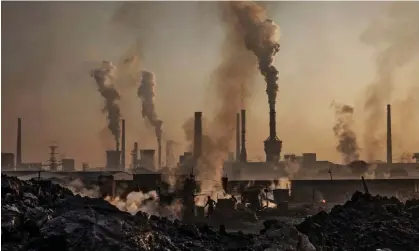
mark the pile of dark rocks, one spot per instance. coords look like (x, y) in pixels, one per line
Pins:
(39, 215)
(366, 223)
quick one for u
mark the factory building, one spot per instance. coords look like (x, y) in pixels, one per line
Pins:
(68, 165)
(7, 160)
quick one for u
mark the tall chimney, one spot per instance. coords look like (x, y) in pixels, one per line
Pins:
(134, 155)
(243, 153)
(159, 153)
(273, 145)
(19, 143)
(197, 146)
(238, 138)
(123, 146)
(389, 143)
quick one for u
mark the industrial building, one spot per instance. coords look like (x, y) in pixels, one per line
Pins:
(145, 173)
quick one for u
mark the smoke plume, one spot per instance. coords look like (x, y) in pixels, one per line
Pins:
(104, 77)
(146, 92)
(347, 142)
(397, 42)
(247, 29)
(148, 203)
(261, 36)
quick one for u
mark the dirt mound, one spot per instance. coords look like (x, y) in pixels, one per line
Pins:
(38, 215)
(366, 223)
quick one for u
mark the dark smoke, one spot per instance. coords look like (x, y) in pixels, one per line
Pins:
(347, 142)
(146, 92)
(397, 42)
(104, 76)
(261, 36)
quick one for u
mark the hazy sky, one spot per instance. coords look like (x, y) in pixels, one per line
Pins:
(48, 49)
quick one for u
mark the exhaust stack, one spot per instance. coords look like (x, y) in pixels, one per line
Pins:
(19, 143)
(273, 145)
(243, 153)
(123, 146)
(159, 153)
(389, 136)
(238, 138)
(197, 146)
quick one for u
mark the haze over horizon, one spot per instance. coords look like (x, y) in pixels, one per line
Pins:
(50, 47)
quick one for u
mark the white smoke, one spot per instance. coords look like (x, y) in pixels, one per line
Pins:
(147, 203)
(79, 188)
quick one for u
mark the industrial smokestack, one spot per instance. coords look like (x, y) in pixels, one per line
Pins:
(243, 153)
(389, 143)
(19, 143)
(238, 138)
(197, 147)
(272, 145)
(159, 153)
(123, 145)
(134, 155)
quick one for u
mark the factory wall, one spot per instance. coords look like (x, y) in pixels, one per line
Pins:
(7, 160)
(68, 165)
(342, 190)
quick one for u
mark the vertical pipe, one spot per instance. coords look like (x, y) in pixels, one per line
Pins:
(123, 146)
(272, 123)
(19, 143)
(135, 155)
(238, 138)
(197, 136)
(389, 136)
(243, 153)
(159, 154)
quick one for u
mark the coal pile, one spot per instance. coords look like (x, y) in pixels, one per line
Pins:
(366, 223)
(38, 215)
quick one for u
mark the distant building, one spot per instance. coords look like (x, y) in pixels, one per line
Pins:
(31, 166)
(68, 165)
(7, 160)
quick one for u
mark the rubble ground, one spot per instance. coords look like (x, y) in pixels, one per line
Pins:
(365, 223)
(40, 215)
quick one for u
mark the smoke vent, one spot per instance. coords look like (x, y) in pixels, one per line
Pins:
(113, 159)
(238, 137)
(389, 143)
(147, 158)
(243, 153)
(19, 143)
(197, 147)
(123, 145)
(273, 145)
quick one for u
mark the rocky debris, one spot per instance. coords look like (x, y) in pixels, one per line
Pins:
(365, 223)
(38, 215)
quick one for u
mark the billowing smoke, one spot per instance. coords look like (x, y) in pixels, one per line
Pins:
(147, 93)
(148, 203)
(261, 36)
(347, 142)
(104, 77)
(78, 187)
(247, 29)
(397, 42)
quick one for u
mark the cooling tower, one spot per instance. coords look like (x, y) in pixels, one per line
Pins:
(113, 159)
(389, 143)
(147, 158)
